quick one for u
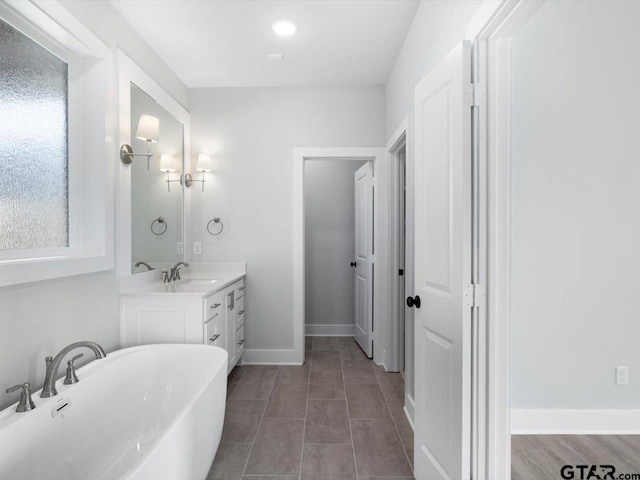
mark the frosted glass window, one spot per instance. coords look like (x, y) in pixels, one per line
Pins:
(34, 185)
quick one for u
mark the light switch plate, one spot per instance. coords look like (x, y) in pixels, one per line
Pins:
(197, 248)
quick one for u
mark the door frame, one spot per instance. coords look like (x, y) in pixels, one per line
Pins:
(491, 65)
(402, 136)
(378, 157)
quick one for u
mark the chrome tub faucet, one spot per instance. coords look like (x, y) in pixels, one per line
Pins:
(49, 388)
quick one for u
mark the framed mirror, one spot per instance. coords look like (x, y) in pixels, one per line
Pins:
(152, 199)
(156, 186)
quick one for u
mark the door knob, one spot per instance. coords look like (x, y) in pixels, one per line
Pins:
(353, 264)
(411, 301)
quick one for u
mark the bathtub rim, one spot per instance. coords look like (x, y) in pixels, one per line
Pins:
(9, 416)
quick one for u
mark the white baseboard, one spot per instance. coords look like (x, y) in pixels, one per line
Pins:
(270, 357)
(341, 330)
(409, 407)
(585, 422)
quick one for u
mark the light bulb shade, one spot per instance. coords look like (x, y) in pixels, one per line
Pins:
(166, 163)
(205, 163)
(148, 128)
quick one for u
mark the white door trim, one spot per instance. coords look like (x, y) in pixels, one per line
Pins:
(399, 138)
(491, 68)
(379, 159)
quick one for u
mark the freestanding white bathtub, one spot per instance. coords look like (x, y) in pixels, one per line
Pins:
(153, 412)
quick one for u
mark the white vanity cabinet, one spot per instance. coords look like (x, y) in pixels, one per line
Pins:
(213, 318)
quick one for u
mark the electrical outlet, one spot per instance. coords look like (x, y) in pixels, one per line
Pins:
(197, 248)
(622, 375)
(180, 248)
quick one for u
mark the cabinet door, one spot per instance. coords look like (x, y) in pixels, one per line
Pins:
(151, 319)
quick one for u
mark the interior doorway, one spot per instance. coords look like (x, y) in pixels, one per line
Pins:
(337, 205)
(550, 247)
(379, 233)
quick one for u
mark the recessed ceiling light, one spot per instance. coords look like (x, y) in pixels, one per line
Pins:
(274, 56)
(284, 28)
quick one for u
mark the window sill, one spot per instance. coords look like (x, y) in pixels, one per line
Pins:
(38, 269)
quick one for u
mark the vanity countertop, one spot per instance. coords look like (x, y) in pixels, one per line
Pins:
(201, 284)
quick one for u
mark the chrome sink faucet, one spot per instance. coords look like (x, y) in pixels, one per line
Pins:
(149, 267)
(49, 388)
(175, 271)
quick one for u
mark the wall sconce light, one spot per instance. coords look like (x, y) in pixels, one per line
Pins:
(148, 129)
(167, 166)
(205, 164)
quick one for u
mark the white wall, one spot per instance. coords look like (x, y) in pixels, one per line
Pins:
(437, 27)
(252, 132)
(105, 22)
(38, 319)
(576, 207)
(329, 196)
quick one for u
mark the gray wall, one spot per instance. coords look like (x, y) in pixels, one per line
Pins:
(38, 319)
(576, 206)
(329, 199)
(252, 132)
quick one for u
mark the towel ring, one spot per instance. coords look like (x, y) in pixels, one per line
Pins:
(160, 221)
(215, 220)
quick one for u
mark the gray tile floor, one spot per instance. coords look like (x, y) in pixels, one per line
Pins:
(338, 417)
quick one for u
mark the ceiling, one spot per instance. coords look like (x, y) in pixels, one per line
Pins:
(224, 43)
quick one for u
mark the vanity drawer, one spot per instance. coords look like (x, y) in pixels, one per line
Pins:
(239, 307)
(240, 341)
(213, 306)
(240, 289)
(240, 294)
(214, 331)
(239, 318)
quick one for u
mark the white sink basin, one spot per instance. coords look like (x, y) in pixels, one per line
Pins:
(199, 281)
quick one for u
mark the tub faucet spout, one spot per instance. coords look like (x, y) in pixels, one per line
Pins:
(49, 388)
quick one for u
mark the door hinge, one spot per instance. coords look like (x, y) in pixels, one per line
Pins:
(474, 95)
(401, 272)
(474, 295)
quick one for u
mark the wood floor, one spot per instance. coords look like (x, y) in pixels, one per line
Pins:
(337, 417)
(542, 457)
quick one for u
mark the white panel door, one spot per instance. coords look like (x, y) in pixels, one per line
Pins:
(443, 269)
(363, 264)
